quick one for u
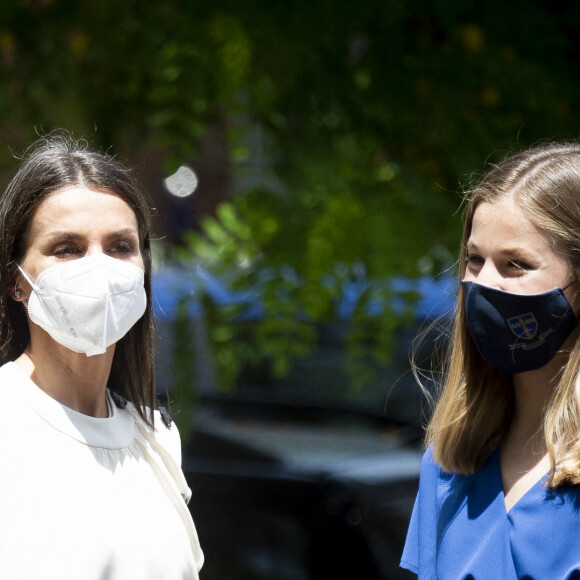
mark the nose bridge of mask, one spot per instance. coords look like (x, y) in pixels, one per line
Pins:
(65, 273)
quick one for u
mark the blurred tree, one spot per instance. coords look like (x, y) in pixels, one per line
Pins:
(338, 131)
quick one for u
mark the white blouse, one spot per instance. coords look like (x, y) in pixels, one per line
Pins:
(89, 498)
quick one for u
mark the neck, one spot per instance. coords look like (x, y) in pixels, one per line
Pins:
(523, 452)
(532, 392)
(73, 379)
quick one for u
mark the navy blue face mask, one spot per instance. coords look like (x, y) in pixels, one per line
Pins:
(517, 332)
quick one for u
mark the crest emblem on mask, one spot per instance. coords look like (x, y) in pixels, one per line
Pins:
(524, 325)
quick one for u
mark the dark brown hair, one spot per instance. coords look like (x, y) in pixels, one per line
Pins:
(53, 162)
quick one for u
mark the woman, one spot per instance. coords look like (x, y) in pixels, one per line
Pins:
(498, 492)
(90, 476)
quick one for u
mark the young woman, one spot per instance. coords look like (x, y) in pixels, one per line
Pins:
(91, 484)
(498, 493)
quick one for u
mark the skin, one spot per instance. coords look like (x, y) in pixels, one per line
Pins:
(506, 252)
(71, 223)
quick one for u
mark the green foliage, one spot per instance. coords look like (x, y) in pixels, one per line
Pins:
(347, 128)
(237, 246)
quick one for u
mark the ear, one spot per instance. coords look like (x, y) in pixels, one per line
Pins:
(17, 293)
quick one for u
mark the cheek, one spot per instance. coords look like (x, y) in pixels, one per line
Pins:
(33, 265)
(139, 260)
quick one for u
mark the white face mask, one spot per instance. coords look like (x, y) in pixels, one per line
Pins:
(89, 303)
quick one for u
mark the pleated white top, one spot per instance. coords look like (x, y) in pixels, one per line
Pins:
(83, 498)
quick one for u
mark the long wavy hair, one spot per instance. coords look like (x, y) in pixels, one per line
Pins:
(53, 162)
(475, 404)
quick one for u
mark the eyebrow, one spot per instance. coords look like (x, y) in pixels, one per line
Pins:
(65, 236)
(123, 233)
(509, 251)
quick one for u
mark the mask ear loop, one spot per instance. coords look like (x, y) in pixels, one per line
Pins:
(27, 278)
(566, 288)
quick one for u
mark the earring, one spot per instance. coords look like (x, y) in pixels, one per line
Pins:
(17, 293)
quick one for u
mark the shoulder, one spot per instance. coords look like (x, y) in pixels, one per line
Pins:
(165, 434)
(427, 461)
(436, 486)
(430, 470)
(12, 379)
(162, 446)
(10, 373)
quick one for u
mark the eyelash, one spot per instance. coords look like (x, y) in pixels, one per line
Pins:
(471, 258)
(66, 251)
(124, 248)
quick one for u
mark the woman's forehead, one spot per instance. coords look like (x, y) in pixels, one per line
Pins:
(83, 209)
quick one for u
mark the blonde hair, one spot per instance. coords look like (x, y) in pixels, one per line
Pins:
(475, 404)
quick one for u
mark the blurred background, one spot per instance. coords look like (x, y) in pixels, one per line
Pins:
(306, 161)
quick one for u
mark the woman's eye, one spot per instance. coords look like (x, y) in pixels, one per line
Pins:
(122, 248)
(474, 259)
(516, 265)
(66, 251)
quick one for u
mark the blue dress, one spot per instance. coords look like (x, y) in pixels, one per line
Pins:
(460, 529)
